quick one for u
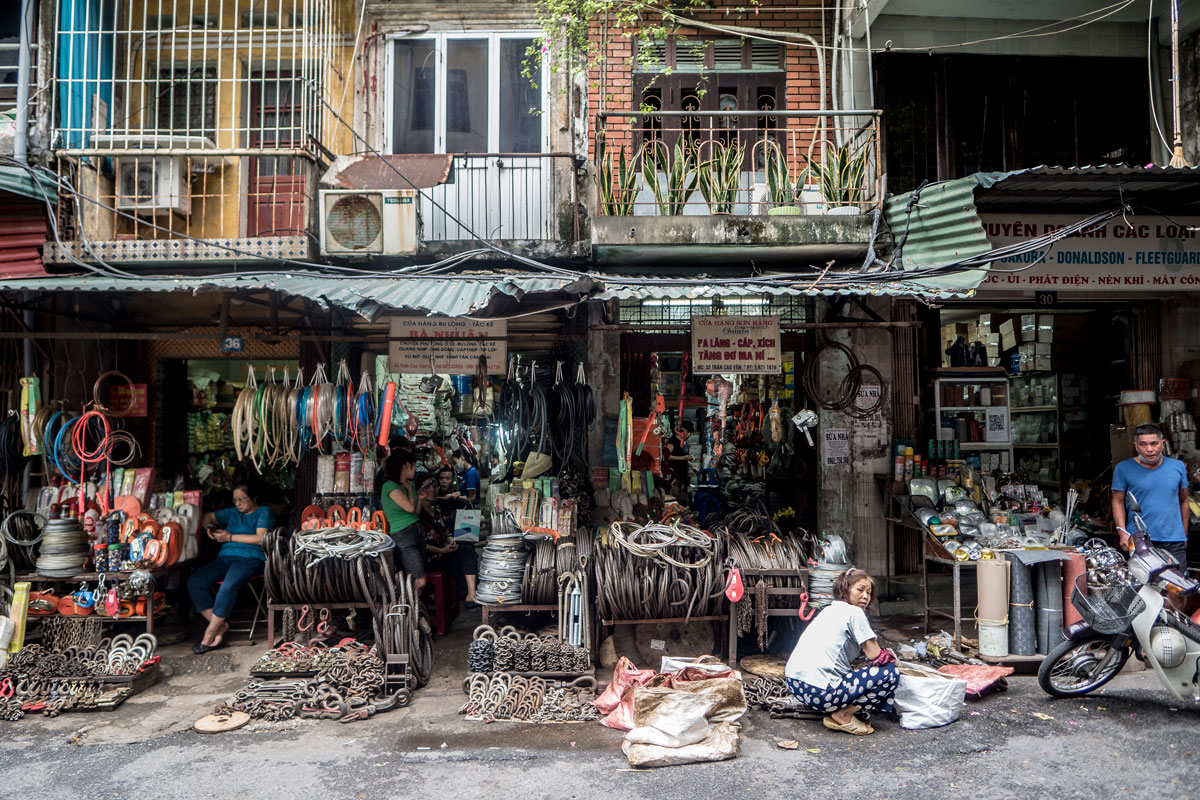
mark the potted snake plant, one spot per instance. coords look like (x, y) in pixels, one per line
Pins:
(782, 189)
(678, 169)
(842, 175)
(720, 176)
(616, 179)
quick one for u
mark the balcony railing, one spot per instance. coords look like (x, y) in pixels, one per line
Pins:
(688, 163)
(504, 196)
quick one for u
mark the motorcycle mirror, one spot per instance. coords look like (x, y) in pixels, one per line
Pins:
(1131, 498)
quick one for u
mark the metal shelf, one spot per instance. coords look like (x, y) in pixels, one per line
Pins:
(1033, 409)
(984, 445)
(1035, 445)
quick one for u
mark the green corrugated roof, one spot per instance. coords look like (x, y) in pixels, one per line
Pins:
(943, 227)
(614, 288)
(19, 181)
(452, 295)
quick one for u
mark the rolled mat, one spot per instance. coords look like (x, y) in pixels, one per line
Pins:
(1052, 577)
(1041, 593)
(993, 590)
(1075, 565)
(1022, 630)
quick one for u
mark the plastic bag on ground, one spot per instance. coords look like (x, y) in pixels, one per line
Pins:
(926, 698)
(625, 674)
(670, 718)
(729, 697)
(722, 743)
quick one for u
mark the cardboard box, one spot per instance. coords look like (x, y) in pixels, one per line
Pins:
(1045, 336)
(992, 340)
(1042, 364)
(985, 320)
(1042, 349)
(1120, 442)
(993, 352)
(1008, 341)
(1009, 328)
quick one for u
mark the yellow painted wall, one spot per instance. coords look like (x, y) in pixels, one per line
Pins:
(218, 196)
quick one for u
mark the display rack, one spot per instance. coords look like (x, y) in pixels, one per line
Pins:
(772, 591)
(95, 576)
(962, 404)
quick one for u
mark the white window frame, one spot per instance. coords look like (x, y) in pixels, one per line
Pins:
(440, 41)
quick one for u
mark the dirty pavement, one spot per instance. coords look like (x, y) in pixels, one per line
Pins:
(1015, 744)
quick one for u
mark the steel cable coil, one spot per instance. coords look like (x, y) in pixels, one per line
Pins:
(540, 585)
(501, 569)
(64, 548)
(631, 586)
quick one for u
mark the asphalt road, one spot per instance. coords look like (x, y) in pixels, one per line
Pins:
(1129, 741)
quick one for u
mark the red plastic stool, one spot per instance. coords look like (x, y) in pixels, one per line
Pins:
(445, 601)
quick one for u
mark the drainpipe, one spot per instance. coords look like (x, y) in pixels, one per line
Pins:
(24, 68)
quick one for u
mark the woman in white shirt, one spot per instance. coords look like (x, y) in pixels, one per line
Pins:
(818, 671)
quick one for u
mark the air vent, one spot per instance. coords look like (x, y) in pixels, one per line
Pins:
(766, 55)
(727, 54)
(651, 56)
(690, 55)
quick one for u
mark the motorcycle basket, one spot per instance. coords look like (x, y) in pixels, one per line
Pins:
(1107, 609)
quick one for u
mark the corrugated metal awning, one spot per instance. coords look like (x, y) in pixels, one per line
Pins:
(451, 295)
(19, 180)
(939, 225)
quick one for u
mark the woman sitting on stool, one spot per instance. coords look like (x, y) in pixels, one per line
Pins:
(241, 531)
(818, 671)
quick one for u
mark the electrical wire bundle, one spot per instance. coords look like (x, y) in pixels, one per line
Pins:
(644, 577)
(64, 548)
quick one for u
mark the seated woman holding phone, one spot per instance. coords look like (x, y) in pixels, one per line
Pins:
(240, 530)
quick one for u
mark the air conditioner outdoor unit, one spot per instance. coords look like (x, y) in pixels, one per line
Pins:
(360, 222)
(151, 186)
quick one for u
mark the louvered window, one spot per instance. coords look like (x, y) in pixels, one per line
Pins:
(708, 55)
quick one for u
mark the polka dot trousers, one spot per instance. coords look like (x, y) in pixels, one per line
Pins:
(870, 688)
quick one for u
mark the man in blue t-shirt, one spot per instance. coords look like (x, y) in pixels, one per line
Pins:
(1160, 485)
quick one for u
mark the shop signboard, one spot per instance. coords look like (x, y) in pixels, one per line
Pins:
(127, 400)
(450, 345)
(742, 345)
(1136, 253)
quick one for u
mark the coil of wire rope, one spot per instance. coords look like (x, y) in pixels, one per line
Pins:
(64, 548)
(501, 569)
(341, 542)
(848, 388)
(540, 583)
(652, 580)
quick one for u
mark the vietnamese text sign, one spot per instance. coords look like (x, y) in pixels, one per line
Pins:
(1147, 253)
(452, 345)
(837, 446)
(746, 345)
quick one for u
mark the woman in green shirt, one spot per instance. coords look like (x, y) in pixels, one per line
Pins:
(402, 507)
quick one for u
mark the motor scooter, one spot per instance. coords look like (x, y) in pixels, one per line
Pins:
(1124, 611)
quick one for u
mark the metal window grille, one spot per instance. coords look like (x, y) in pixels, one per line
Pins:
(675, 313)
(197, 117)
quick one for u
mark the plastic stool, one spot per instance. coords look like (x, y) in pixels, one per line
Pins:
(258, 591)
(445, 602)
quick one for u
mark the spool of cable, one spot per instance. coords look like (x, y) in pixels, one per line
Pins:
(501, 569)
(64, 548)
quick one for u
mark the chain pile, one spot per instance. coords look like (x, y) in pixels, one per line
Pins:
(518, 699)
(53, 681)
(348, 684)
(646, 577)
(773, 695)
(61, 633)
(509, 651)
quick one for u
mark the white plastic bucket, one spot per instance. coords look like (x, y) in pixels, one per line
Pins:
(993, 639)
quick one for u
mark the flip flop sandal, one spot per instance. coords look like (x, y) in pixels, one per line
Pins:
(855, 726)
